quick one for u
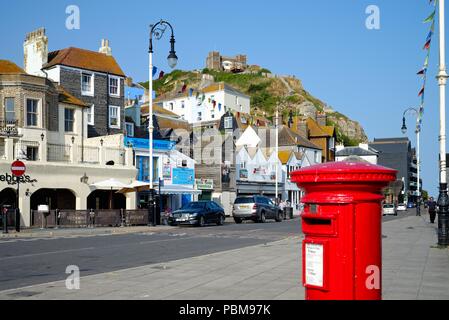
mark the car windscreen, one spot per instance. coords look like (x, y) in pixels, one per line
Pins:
(388, 206)
(194, 205)
(244, 200)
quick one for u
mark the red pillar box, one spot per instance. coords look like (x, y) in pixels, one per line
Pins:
(342, 220)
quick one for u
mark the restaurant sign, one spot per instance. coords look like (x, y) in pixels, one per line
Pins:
(204, 184)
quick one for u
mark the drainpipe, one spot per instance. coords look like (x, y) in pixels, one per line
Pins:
(82, 135)
(107, 105)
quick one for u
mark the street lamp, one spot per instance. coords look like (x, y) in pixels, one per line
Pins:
(443, 199)
(418, 163)
(172, 60)
(404, 127)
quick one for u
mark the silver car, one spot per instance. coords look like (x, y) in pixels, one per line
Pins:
(389, 209)
(256, 208)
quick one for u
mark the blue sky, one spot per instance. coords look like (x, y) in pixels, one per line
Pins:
(369, 75)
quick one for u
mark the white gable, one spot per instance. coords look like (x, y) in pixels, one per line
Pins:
(249, 138)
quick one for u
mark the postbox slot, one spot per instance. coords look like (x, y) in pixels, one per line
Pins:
(326, 226)
(318, 222)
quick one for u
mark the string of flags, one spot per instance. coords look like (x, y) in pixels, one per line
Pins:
(423, 72)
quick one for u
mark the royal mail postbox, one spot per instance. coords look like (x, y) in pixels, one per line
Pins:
(342, 223)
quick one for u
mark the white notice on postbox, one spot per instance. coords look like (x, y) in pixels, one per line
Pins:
(314, 264)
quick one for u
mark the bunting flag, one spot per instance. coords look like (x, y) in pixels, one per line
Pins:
(154, 71)
(421, 92)
(190, 92)
(431, 17)
(214, 103)
(161, 74)
(184, 88)
(423, 71)
(219, 107)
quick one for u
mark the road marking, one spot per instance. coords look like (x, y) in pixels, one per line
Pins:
(45, 253)
(166, 240)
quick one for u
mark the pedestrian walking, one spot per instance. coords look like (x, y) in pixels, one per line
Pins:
(432, 208)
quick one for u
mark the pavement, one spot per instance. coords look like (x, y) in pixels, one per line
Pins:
(76, 232)
(413, 268)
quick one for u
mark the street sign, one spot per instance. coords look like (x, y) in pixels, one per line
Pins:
(18, 168)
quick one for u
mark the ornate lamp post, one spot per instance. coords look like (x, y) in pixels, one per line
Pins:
(157, 30)
(418, 163)
(443, 200)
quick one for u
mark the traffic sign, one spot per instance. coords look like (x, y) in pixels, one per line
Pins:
(18, 168)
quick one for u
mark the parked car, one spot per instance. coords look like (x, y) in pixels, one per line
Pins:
(199, 213)
(401, 207)
(389, 209)
(256, 208)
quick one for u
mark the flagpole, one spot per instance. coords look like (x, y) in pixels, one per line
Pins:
(443, 199)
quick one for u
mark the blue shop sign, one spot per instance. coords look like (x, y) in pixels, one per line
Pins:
(139, 143)
(183, 176)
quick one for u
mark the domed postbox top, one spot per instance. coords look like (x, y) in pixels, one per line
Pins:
(344, 172)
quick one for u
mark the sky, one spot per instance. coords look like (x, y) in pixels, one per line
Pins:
(368, 75)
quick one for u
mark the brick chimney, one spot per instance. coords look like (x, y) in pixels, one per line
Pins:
(105, 49)
(35, 52)
(321, 118)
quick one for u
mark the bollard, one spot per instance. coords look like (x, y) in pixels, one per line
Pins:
(57, 217)
(17, 220)
(5, 220)
(341, 221)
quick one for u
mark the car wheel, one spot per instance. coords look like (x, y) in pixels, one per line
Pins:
(201, 222)
(238, 220)
(263, 219)
(278, 217)
(221, 220)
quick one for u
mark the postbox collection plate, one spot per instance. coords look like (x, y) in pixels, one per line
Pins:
(315, 264)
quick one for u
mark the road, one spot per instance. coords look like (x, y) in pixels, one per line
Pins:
(25, 262)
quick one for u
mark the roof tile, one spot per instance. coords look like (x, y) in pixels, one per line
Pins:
(84, 59)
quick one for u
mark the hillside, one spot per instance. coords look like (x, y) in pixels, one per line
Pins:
(266, 91)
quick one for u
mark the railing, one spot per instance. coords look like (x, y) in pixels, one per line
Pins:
(89, 154)
(88, 218)
(58, 152)
(8, 127)
(11, 218)
(117, 155)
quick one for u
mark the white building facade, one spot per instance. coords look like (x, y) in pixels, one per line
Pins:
(208, 104)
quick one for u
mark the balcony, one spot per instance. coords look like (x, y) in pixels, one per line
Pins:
(8, 128)
(92, 155)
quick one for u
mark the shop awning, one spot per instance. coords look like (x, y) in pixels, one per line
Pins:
(174, 189)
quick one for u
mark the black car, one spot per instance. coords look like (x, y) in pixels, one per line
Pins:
(198, 213)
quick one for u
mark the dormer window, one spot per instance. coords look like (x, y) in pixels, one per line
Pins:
(87, 84)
